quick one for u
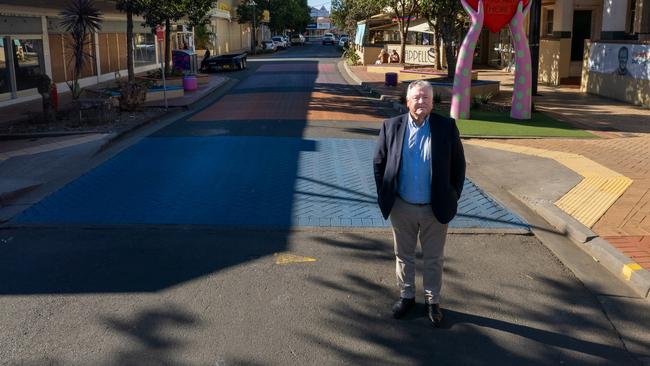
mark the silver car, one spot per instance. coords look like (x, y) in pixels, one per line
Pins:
(328, 38)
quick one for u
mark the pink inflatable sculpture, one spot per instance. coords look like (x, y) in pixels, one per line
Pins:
(461, 91)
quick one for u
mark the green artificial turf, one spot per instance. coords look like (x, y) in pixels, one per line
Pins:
(500, 124)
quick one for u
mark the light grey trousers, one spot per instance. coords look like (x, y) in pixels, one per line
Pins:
(411, 222)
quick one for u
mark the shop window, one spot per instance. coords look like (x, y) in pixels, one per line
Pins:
(28, 62)
(548, 22)
(145, 49)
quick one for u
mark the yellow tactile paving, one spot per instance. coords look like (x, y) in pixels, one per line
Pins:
(589, 199)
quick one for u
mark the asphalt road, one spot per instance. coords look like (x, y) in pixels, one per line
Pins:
(202, 295)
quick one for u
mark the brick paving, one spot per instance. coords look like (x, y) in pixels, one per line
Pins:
(635, 247)
(310, 106)
(625, 149)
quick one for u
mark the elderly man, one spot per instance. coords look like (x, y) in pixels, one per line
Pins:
(419, 169)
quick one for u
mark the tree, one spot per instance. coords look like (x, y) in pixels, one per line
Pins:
(245, 15)
(284, 14)
(130, 7)
(81, 19)
(245, 11)
(448, 20)
(403, 10)
(288, 14)
(164, 12)
(346, 13)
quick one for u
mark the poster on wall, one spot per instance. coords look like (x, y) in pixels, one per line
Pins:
(620, 59)
(358, 39)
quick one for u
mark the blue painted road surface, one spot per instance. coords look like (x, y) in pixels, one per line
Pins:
(241, 181)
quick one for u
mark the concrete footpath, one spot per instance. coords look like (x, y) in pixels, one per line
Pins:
(41, 159)
(596, 191)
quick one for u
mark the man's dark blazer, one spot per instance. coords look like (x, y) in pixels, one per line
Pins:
(447, 164)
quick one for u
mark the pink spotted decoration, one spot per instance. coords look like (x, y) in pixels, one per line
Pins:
(494, 14)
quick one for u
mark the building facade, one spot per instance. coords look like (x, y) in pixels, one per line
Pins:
(320, 23)
(601, 45)
(33, 42)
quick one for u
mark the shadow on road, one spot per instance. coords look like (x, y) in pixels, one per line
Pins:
(492, 315)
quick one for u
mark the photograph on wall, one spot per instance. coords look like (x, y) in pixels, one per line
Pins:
(631, 60)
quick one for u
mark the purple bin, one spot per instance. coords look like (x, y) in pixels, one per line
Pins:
(190, 83)
(391, 79)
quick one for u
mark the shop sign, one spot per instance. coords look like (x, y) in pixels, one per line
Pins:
(160, 33)
(620, 59)
(418, 55)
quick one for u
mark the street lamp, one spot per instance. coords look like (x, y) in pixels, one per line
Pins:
(252, 3)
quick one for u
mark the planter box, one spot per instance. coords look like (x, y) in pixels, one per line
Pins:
(203, 79)
(411, 73)
(479, 87)
(156, 93)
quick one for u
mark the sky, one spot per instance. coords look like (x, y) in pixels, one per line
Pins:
(319, 3)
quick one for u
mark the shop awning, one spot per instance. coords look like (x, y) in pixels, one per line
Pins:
(420, 26)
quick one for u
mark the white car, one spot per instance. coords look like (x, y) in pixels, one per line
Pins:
(298, 39)
(269, 45)
(344, 42)
(279, 42)
(328, 38)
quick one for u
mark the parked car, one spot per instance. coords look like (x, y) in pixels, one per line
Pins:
(269, 45)
(279, 42)
(344, 42)
(287, 41)
(328, 38)
(298, 39)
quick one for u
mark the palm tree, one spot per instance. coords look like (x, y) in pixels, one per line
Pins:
(81, 19)
(131, 8)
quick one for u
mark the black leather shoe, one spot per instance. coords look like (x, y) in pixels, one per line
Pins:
(434, 313)
(402, 306)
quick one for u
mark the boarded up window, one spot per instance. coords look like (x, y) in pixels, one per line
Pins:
(56, 56)
(104, 53)
(62, 54)
(121, 43)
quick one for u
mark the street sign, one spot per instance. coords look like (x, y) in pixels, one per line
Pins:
(160, 33)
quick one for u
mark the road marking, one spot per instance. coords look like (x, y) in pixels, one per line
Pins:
(285, 258)
(588, 201)
(628, 269)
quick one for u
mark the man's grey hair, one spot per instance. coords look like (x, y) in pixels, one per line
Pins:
(418, 84)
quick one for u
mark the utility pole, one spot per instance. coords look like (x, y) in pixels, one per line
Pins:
(252, 2)
(534, 23)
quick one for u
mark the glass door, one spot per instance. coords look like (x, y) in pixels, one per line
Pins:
(5, 72)
(28, 63)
